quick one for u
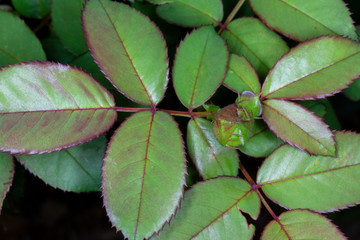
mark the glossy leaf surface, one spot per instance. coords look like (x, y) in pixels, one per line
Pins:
(32, 8)
(66, 19)
(295, 179)
(314, 69)
(191, 13)
(7, 170)
(48, 106)
(210, 157)
(250, 38)
(353, 91)
(298, 126)
(241, 76)
(200, 66)
(211, 210)
(17, 42)
(143, 174)
(262, 142)
(76, 169)
(129, 49)
(303, 20)
(301, 224)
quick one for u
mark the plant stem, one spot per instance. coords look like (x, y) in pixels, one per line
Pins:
(231, 16)
(171, 112)
(247, 175)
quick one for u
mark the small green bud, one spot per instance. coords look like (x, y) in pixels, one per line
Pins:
(250, 102)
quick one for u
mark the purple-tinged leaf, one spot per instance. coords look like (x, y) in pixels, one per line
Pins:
(6, 175)
(47, 106)
(314, 69)
(241, 76)
(75, 169)
(250, 38)
(304, 20)
(128, 48)
(300, 225)
(211, 210)
(294, 179)
(299, 127)
(210, 157)
(200, 66)
(144, 174)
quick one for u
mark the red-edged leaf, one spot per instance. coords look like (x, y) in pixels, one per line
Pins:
(144, 174)
(6, 175)
(300, 225)
(298, 126)
(128, 48)
(314, 69)
(46, 107)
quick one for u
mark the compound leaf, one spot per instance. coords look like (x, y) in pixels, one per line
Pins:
(144, 174)
(298, 126)
(32, 8)
(303, 20)
(47, 106)
(210, 157)
(314, 69)
(241, 76)
(299, 225)
(76, 169)
(200, 66)
(7, 170)
(295, 179)
(252, 39)
(128, 48)
(66, 19)
(191, 13)
(17, 42)
(211, 210)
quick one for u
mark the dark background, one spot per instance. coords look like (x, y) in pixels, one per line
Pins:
(33, 210)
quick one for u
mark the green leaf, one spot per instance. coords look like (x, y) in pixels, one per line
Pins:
(295, 179)
(17, 42)
(303, 20)
(262, 142)
(129, 49)
(66, 19)
(210, 157)
(191, 13)
(253, 40)
(48, 106)
(6, 175)
(314, 69)
(298, 127)
(299, 225)
(211, 210)
(144, 174)
(199, 67)
(76, 169)
(32, 8)
(241, 76)
(55, 50)
(353, 91)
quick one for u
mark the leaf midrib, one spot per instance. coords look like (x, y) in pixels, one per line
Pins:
(60, 110)
(10, 55)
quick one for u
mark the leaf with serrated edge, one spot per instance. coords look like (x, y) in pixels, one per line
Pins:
(17, 42)
(314, 69)
(298, 126)
(252, 39)
(241, 76)
(299, 225)
(200, 66)
(303, 20)
(295, 179)
(7, 170)
(66, 19)
(128, 48)
(353, 91)
(210, 157)
(75, 169)
(211, 210)
(144, 174)
(48, 106)
(191, 13)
